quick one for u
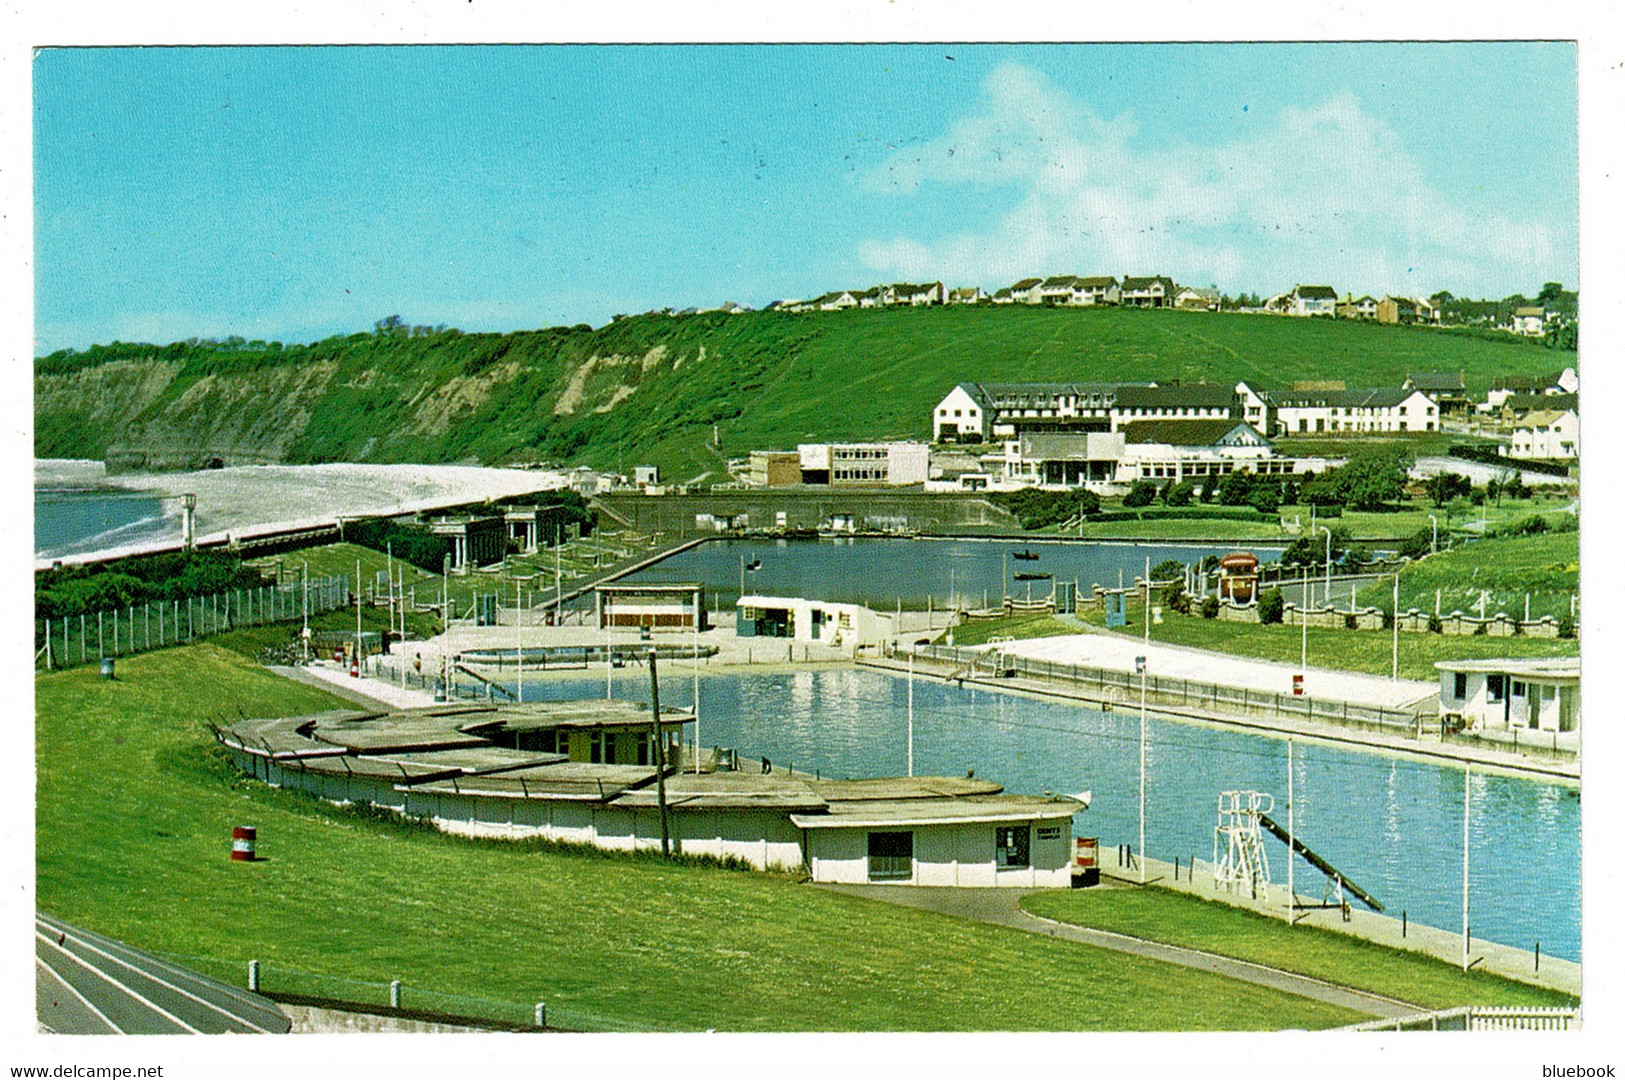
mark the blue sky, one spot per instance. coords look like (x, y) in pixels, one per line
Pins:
(294, 193)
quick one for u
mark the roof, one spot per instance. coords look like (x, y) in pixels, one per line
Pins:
(1141, 283)
(1544, 417)
(1525, 402)
(1314, 292)
(1026, 283)
(1437, 380)
(1074, 446)
(1561, 667)
(1529, 312)
(1380, 398)
(1097, 282)
(1189, 396)
(1189, 432)
(988, 809)
(87, 984)
(651, 587)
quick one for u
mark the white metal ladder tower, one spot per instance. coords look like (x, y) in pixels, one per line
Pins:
(1243, 866)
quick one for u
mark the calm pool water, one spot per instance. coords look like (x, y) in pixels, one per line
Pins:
(1392, 826)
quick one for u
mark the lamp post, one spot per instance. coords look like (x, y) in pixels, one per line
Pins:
(1140, 662)
(1434, 549)
(1328, 533)
(1395, 675)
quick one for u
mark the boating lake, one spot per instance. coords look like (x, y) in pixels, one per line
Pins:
(879, 572)
(1391, 825)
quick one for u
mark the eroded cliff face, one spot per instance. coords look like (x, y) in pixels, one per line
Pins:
(78, 415)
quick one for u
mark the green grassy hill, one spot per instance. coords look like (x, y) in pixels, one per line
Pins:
(649, 388)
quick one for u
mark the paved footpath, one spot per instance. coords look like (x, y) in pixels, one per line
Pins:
(1002, 907)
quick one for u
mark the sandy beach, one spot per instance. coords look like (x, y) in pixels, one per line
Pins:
(251, 498)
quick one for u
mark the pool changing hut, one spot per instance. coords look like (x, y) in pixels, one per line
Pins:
(800, 619)
(579, 772)
(658, 607)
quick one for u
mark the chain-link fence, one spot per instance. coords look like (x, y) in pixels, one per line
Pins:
(90, 637)
(1124, 686)
(398, 997)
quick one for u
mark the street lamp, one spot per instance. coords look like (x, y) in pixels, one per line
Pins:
(1140, 662)
(1328, 533)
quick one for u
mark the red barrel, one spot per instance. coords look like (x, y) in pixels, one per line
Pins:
(242, 843)
(338, 656)
(355, 668)
(1086, 852)
(1297, 686)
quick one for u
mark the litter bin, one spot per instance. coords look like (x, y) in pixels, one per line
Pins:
(107, 667)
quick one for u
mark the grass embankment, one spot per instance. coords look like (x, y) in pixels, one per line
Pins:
(1544, 567)
(1369, 651)
(576, 560)
(1169, 917)
(133, 817)
(1014, 627)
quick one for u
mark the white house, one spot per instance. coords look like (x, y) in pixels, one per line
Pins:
(848, 626)
(963, 412)
(1027, 291)
(1197, 299)
(1308, 300)
(1529, 321)
(972, 295)
(837, 301)
(1156, 292)
(1318, 412)
(1547, 433)
(1543, 694)
(1363, 308)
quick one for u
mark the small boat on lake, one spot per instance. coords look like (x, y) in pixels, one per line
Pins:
(1023, 576)
(1026, 556)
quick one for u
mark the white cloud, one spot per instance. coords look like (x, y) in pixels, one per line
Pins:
(1326, 193)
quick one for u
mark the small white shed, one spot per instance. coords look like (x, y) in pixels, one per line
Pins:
(997, 840)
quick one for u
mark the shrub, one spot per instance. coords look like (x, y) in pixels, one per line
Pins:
(1565, 626)
(1180, 602)
(1265, 498)
(1388, 620)
(1181, 494)
(1168, 570)
(1140, 494)
(1483, 630)
(1207, 491)
(1436, 625)
(1351, 621)
(1271, 607)
(1210, 608)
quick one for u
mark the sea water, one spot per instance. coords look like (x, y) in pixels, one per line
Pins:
(72, 521)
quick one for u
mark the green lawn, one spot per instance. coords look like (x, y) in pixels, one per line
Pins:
(1166, 916)
(981, 631)
(134, 810)
(1546, 567)
(1370, 651)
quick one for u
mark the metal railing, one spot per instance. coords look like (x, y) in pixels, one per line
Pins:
(398, 998)
(1479, 1018)
(1118, 686)
(89, 637)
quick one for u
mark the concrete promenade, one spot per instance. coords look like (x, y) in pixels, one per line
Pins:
(1428, 748)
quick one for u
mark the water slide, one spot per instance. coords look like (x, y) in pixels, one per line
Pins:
(1318, 863)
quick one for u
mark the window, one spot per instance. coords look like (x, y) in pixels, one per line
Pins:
(1517, 688)
(1461, 685)
(942, 412)
(891, 856)
(1012, 846)
(1498, 688)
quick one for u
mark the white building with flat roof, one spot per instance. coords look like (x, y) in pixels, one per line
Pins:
(799, 619)
(891, 464)
(1540, 694)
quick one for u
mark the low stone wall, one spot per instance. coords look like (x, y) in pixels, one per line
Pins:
(1455, 624)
